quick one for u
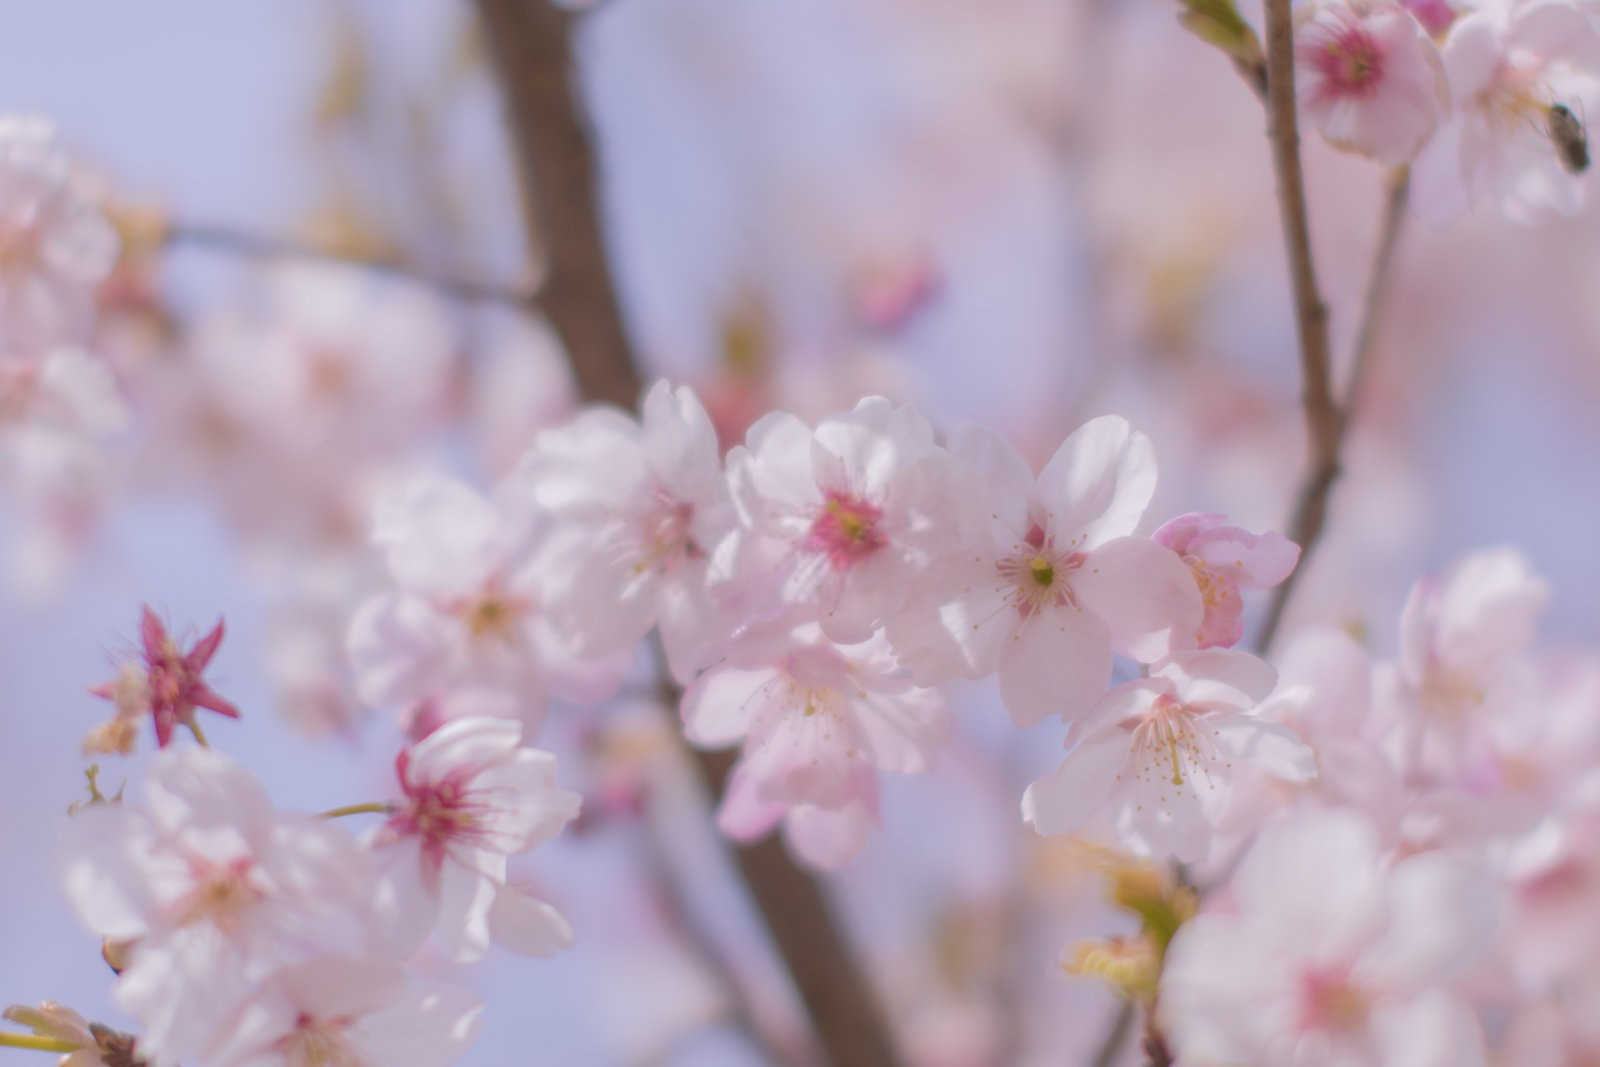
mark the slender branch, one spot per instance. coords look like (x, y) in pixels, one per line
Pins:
(1117, 1036)
(220, 238)
(1312, 507)
(530, 44)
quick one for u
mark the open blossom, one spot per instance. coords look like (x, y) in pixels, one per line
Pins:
(1462, 638)
(638, 506)
(471, 796)
(1159, 755)
(470, 608)
(818, 722)
(1325, 953)
(1224, 560)
(1509, 65)
(1045, 580)
(839, 523)
(216, 889)
(1369, 77)
(168, 685)
(55, 245)
(342, 1012)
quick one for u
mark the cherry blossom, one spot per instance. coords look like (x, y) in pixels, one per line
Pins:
(1159, 755)
(342, 1011)
(470, 797)
(171, 687)
(55, 245)
(1224, 560)
(1369, 77)
(98, 1046)
(841, 522)
(818, 721)
(1509, 65)
(470, 607)
(1329, 953)
(639, 507)
(215, 889)
(1045, 581)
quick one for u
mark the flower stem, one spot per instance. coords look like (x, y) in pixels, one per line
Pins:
(373, 807)
(37, 1041)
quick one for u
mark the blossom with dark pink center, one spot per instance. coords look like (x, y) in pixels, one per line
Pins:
(1225, 559)
(171, 687)
(471, 796)
(1369, 77)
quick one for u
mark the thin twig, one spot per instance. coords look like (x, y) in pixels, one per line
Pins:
(531, 47)
(220, 238)
(1312, 507)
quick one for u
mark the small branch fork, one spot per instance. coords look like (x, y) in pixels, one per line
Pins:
(531, 48)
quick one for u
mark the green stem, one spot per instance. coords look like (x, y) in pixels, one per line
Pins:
(37, 1041)
(373, 807)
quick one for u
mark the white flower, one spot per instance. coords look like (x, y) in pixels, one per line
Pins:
(471, 796)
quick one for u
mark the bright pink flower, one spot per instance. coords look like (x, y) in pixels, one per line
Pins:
(1042, 581)
(818, 722)
(1323, 952)
(470, 797)
(1224, 560)
(173, 686)
(839, 523)
(638, 507)
(1158, 757)
(1369, 77)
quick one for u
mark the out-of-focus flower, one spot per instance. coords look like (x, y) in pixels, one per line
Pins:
(55, 245)
(471, 796)
(638, 508)
(840, 523)
(1224, 560)
(818, 722)
(1159, 755)
(471, 608)
(97, 1045)
(1369, 77)
(216, 889)
(173, 686)
(1044, 581)
(338, 1011)
(1509, 65)
(1327, 953)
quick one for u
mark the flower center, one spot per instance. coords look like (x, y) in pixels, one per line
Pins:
(1347, 57)
(1330, 1001)
(1036, 576)
(1169, 742)
(318, 1043)
(221, 895)
(846, 530)
(493, 614)
(667, 542)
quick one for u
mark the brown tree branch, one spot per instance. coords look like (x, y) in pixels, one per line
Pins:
(530, 45)
(260, 246)
(1312, 507)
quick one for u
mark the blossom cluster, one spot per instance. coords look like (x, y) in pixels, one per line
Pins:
(1486, 100)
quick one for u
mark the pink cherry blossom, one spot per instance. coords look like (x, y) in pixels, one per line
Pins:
(638, 506)
(818, 722)
(471, 605)
(839, 523)
(217, 890)
(1158, 755)
(1325, 952)
(1508, 65)
(1044, 580)
(1224, 560)
(172, 687)
(1369, 77)
(341, 1011)
(471, 796)
(55, 245)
